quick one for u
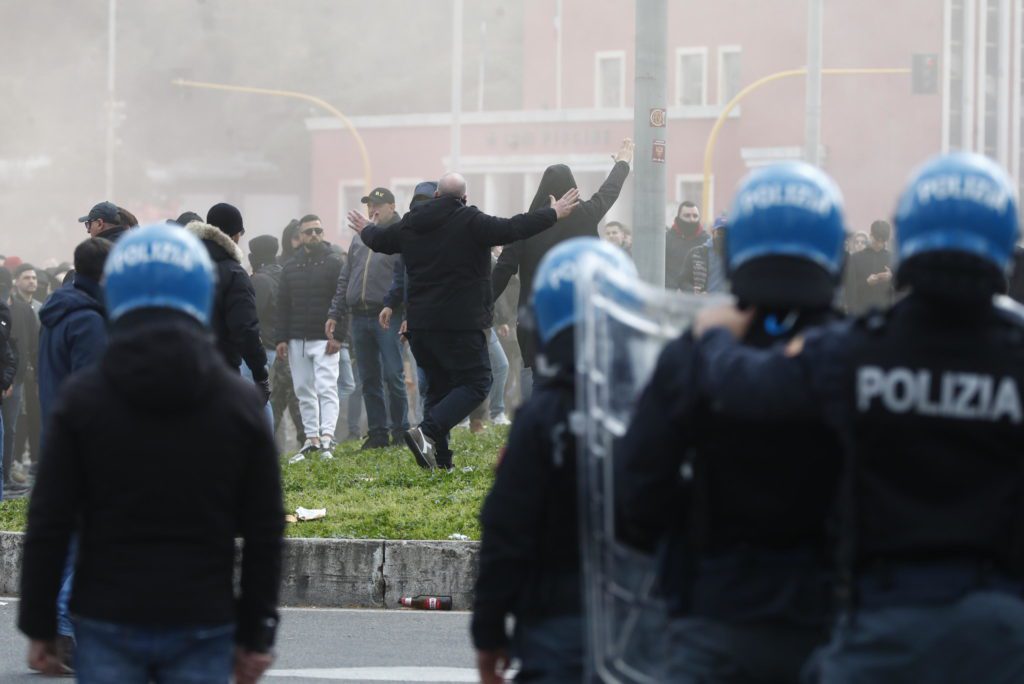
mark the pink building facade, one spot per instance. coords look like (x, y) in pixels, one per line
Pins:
(577, 103)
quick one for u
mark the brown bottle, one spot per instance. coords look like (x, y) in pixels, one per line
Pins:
(424, 602)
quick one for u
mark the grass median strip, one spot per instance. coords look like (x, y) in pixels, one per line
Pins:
(379, 494)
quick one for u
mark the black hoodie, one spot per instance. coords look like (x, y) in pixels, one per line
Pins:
(158, 457)
(447, 251)
(524, 256)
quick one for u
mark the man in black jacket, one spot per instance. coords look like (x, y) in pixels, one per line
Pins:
(307, 288)
(153, 592)
(683, 235)
(8, 366)
(869, 281)
(234, 318)
(523, 256)
(446, 246)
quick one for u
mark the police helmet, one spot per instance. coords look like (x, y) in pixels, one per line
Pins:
(159, 267)
(958, 204)
(554, 285)
(785, 243)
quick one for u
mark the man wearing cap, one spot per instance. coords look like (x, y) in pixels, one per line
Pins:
(233, 319)
(103, 221)
(361, 295)
(704, 266)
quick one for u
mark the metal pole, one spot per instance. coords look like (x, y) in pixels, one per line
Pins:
(456, 134)
(649, 175)
(482, 74)
(558, 54)
(111, 114)
(967, 97)
(812, 127)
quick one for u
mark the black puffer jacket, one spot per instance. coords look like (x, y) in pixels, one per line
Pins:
(524, 256)
(307, 288)
(233, 319)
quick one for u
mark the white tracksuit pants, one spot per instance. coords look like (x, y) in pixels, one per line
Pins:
(315, 376)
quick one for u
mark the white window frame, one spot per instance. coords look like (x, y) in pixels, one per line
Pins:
(680, 53)
(722, 51)
(705, 212)
(609, 54)
(403, 181)
(343, 209)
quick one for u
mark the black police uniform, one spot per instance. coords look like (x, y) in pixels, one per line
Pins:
(927, 400)
(529, 553)
(739, 509)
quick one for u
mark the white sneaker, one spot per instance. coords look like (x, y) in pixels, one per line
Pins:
(501, 419)
(326, 448)
(296, 458)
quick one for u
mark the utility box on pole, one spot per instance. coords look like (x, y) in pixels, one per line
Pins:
(650, 105)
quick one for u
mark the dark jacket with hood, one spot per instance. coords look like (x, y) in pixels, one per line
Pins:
(24, 337)
(156, 534)
(233, 318)
(307, 288)
(446, 246)
(73, 336)
(679, 241)
(529, 551)
(524, 256)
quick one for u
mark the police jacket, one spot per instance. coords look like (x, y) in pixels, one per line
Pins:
(266, 282)
(757, 502)
(169, 520)
(307, 286)
(446, 247)
(927, 399)
(529, 551)
(524, 256)
(233, 318)
(364, 281)
(73, 336)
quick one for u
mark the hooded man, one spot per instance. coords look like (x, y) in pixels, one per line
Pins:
(234, 318)
(522, 257)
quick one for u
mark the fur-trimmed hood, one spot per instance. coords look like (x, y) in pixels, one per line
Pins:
(208, 233)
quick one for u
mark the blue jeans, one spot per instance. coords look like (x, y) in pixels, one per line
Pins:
(108, 653)
(379, 359)
(350, 389)
(499, 370)
(247, 373)
(65, 626)
(551, 650)
(10, 411)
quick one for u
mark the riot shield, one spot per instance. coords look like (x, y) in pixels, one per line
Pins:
(625, 324)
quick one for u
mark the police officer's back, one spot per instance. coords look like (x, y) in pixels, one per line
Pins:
(529, 554)
(927, 398)
(744, 540)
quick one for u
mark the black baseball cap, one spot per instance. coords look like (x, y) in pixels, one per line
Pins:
(104, 210)
(379, 196)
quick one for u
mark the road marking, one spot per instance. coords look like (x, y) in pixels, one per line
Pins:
(384, 674)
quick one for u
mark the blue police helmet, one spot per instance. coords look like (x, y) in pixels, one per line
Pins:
(785, 238)
(161, 267)
(554, 285)
(958, 203)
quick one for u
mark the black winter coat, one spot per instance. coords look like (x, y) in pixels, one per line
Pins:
(307, 288)
(529, 551)
(25, 338)
(233, 318)
(446, 247)
(524, 256)
(8, 355)
(267, 283)
(677, 248)
(156, 508)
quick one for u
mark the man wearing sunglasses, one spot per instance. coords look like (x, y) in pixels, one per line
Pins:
(307, 288)
(103, 221)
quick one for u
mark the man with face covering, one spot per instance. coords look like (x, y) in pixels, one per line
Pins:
(523, 257)
(704, 267)
(684, 234)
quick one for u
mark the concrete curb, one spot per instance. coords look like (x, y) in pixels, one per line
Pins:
(339, 573)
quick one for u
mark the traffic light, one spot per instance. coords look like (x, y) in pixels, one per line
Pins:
(925, 74)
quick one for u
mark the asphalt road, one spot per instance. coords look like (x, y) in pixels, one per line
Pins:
(325, 645)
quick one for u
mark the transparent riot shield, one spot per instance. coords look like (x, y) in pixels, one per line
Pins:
(625, 325)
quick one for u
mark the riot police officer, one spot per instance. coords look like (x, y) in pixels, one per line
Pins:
(529, 553)
(927, 399)
(744, 536)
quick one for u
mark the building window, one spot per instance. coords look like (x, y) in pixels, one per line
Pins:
(691, 76)
(610, 79)
(729, 59)
(690, 188)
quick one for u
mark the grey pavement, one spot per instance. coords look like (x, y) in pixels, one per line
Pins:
(327, 645)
